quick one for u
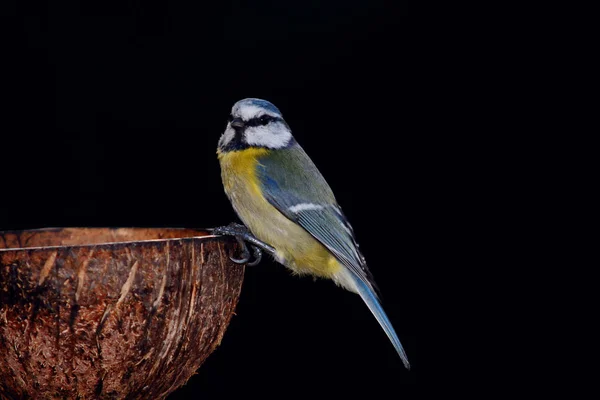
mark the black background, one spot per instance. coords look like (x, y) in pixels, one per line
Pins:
(111, 117)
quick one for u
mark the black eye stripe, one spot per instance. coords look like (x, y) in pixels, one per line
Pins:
(265, 119)
(262, 120)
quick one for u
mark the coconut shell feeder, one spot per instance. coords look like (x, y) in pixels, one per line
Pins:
(111, 313)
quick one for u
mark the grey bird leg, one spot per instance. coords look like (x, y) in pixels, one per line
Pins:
(243, 236)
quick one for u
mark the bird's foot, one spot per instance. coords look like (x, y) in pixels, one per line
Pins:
(243, 236)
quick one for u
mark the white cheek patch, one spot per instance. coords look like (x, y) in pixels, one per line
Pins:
(274, 135)
(227, 136)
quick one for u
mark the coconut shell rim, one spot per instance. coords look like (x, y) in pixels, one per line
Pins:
(208, 236)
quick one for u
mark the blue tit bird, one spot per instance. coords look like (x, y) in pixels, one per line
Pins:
(282, 198)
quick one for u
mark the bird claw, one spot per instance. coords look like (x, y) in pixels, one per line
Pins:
(245, 253)
(243, 235)
(257, 252)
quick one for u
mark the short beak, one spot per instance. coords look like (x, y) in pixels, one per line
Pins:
(237, 123)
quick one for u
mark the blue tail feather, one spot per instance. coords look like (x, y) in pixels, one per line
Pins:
(369, 297)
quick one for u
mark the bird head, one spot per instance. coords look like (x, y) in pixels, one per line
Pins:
(255, 123)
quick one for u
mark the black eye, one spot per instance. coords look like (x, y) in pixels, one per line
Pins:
(265, 119)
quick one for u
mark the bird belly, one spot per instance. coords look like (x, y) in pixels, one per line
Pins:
(295, 247)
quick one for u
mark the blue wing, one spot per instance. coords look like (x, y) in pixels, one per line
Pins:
(293, 185)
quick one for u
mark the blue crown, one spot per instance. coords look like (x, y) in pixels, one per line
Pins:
(259, 103)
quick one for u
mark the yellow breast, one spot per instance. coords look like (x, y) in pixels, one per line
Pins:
(296, 248)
